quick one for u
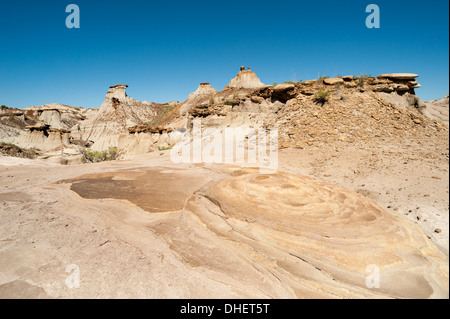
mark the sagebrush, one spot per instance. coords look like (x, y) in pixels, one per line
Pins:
(90, 156)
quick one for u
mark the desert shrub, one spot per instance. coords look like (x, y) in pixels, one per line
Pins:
(361, 78)
(321, 97)
(274, 83)
(4, 107)
(321, 78)
(288, 82)
(90, 156)
(164, 148)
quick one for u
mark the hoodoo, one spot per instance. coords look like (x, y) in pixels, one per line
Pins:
(246, 79)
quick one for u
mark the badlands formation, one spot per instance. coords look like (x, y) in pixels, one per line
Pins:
(358, 207)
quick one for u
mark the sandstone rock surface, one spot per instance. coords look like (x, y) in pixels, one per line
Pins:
(398, 76)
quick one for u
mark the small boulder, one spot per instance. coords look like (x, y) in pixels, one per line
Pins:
(333, 81)
(348, 78)
(309, 82)
(257, 99)
(283, 87)
(283, 92)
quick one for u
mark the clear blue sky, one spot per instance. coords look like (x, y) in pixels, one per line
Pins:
(164, 49)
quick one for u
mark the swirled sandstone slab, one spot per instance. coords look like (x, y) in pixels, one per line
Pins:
(326, 239)
(247, 234)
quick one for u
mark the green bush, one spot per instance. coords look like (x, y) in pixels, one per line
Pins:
(90, 156)
(321, 78)
(322, 96)
(164, 148)
(361, 78)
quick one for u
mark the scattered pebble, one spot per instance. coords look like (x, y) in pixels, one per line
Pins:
(437, 230)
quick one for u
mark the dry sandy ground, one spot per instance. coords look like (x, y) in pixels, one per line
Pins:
(195, 231)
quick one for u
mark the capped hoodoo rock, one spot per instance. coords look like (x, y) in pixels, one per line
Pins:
(398, 82)
(246, 79)
(202, 90)
(117, 112)
(117, 91)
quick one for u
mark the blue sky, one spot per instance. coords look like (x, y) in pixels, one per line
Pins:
(164, 49)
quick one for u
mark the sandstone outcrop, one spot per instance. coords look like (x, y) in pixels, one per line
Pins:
(203, 91)
(55, 116)
(59, 116)
(360, 109)
(245, 79)
(437, 109)
(399, 82)
(399, 76)
(42, 137)
(117, 113)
